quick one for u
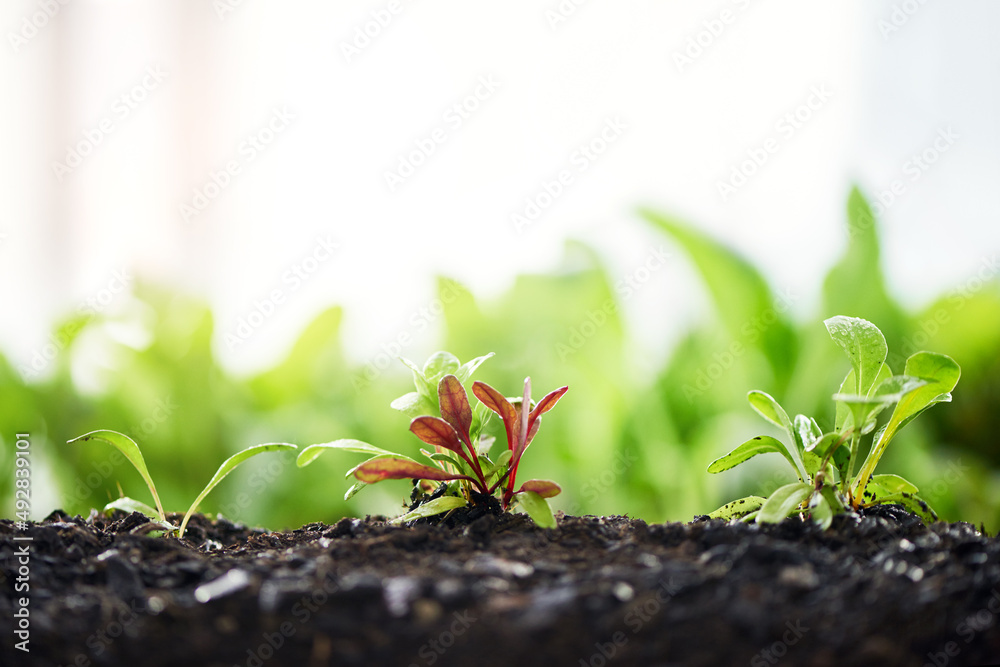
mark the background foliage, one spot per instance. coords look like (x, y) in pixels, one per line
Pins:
(616, 444)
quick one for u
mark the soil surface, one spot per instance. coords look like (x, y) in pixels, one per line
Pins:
(882, 589)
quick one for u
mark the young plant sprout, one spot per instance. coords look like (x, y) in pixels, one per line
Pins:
(462, 468)
(130, 449)
(825, 462)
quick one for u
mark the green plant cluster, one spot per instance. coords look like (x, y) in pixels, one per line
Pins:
(825, 463)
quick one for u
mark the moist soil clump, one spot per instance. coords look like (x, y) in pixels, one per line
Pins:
(879, 589)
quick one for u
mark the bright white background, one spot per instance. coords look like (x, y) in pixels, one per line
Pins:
(897, 73)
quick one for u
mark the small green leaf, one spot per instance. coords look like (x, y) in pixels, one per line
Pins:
(844, 420)
(769, 409)
(469, 367)
(808, 430)
(876, 495)
(864, 345)
(812, 462)
(820, 510)
(431, 508)
(784, 502)
(940, 374)
(130, 449)
(537, 508)
(893, 484)
(440, 364)
(829, 440)
(412, 405)
(738, 508)
(425, 388)
(762, 444)
(357, 486)
(312, 452)
(834, 499)
(486, 443)
(500, 466)
(129, 505)
(227, 467)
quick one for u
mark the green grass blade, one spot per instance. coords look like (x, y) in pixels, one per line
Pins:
(436, 506)
(130, 449)
(357, 486)
(227, 467)
(312, 452)
(126, 504)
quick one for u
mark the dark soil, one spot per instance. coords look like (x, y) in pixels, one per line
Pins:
(878, 590)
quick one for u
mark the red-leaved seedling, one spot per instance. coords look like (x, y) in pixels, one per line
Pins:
(521, 424)
(451, 432)
(460, 455)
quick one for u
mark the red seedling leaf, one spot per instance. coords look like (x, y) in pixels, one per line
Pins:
(542, 487)
(437, 432)
(534, 419)
(548, 402)
(455, 407)
(496, 402)
(378, 470)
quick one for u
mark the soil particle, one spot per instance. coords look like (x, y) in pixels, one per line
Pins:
(487, 589)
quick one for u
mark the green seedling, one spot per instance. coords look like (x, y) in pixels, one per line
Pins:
(131, 451)
(825, 463)
(461, 470)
